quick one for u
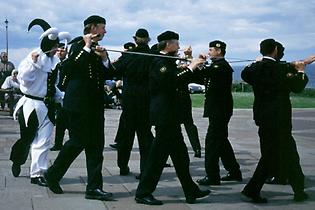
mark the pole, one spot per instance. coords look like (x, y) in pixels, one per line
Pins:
(147, 54)
(7, 37)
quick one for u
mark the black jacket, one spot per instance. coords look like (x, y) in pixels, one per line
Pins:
(164, 82)
(217, 79)
(134, 69)
(272, 83)
(86, 75)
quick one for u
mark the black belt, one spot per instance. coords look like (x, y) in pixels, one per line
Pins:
(34, 97)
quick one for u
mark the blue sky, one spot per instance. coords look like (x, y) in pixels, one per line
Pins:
(241, 24)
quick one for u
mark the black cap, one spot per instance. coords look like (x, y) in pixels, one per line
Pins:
(167, 35)
(94, 19)
(267, 46)
(129, 45)
(218, 44)
(142, 33)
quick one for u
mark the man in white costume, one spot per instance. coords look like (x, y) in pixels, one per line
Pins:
(37, 83)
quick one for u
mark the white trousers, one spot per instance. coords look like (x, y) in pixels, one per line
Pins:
(40, 148)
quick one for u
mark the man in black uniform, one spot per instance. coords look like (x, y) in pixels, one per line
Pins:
(187, 119)
(84, 102)
(277, 178)
(218, 108)
(61, 114)
(164, 115)
(120, 131)
(186, 106)
(135, 97)
(272, 83)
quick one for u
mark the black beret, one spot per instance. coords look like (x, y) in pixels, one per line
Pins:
(129, 46)
(94, 19)
(142, 33)
(167, 35)
(218, 44)
(267, 46)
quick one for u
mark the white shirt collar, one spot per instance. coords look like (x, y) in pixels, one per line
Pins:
(270, 58)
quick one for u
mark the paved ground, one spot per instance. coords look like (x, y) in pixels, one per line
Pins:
(19, 194)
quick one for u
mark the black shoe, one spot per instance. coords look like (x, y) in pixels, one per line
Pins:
(207, 181)
(198, 154)
(53, 185)
(148, 200)
(232, 177)
(124, 171)
(56, 148)
(98, 194)
(39, 181)
(299, 197)
(16, 169)
(252, 198)
(114, 146)
(200, 194)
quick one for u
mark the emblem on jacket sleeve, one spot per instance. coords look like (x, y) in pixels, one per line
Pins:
(289, 75)
(163, 69)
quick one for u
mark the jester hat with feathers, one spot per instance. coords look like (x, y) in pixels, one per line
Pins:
(51, 36)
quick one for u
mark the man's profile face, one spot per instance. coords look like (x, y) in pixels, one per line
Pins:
(214, 52)
(173, 46)
(100, 29)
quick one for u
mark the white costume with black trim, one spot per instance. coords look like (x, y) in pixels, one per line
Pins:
(33, 82)
(37, 83)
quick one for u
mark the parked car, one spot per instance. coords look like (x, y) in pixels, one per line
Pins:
(196, 88)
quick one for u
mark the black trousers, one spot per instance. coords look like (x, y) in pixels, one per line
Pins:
(192, 133)
(61, 126)
(275, 145)
(218, 146)
(168, 142)
(2, 99)
(187, 120)
(120, 131)
(21, 147)
(135, 123)
(87, 133)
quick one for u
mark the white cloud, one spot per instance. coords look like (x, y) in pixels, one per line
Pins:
(17, 55)
(241, 24)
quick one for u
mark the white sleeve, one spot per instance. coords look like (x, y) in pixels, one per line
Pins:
(15, 84)
(27, 69)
